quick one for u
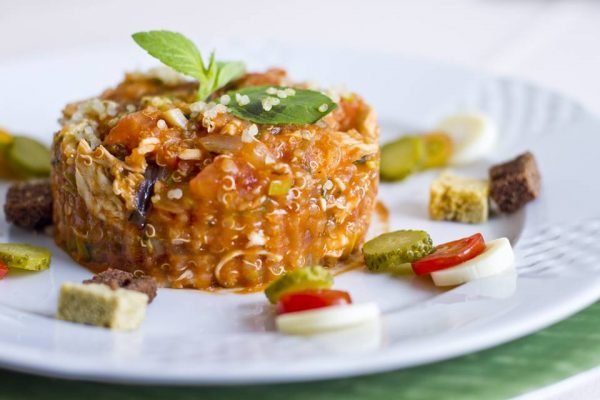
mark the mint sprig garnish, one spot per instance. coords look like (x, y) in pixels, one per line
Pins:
(279, 105)
(178, 52)
(259, 104)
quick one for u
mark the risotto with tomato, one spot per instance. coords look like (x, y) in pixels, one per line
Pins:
(147, 178)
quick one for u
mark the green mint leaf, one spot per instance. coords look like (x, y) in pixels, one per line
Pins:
(302, 107)
(229, 71)
(209, 85)
(178, 52)
(174, 50)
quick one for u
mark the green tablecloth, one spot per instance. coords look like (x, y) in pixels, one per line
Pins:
(556, 353)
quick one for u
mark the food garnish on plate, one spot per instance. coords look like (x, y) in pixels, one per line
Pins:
(118, 279)
(511, 186)
(111, 299)
(515, 183)
(29, 204)
(22, 157)
(99, 305)
(414, 153)
(390, 252)
(473, 135)
(458, 198)
(25, 256)
(448, 264)
(306, 304)
(456, 140)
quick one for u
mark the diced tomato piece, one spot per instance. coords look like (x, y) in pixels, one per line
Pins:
(3, 270)
(450, 254)
(311, 299)
(248, 183)
(132, 127)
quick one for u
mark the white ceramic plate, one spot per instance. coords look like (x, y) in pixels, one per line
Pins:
(195, 337)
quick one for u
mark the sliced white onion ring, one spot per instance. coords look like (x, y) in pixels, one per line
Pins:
(326, 319)
(474, 136)
(498, 257)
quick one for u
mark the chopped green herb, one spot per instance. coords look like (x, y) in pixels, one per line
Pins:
(279, 187)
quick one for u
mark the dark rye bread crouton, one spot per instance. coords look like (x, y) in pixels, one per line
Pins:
(115, 279)
(515, 183)
(29, 204)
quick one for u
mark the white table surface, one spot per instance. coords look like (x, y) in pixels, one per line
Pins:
(553, 43)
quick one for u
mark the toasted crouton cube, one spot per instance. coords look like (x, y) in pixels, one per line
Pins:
(29, 204)
(515, 183)
(460, 199)
(98, 304)
(115, 278)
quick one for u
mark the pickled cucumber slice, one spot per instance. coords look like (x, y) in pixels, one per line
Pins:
(387, 252)
(402, 269)
(29, 157)
(401, 158)
(25, 256)
(315, 277)
(438, 150)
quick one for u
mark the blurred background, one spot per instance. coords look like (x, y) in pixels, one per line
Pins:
(551, 42)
